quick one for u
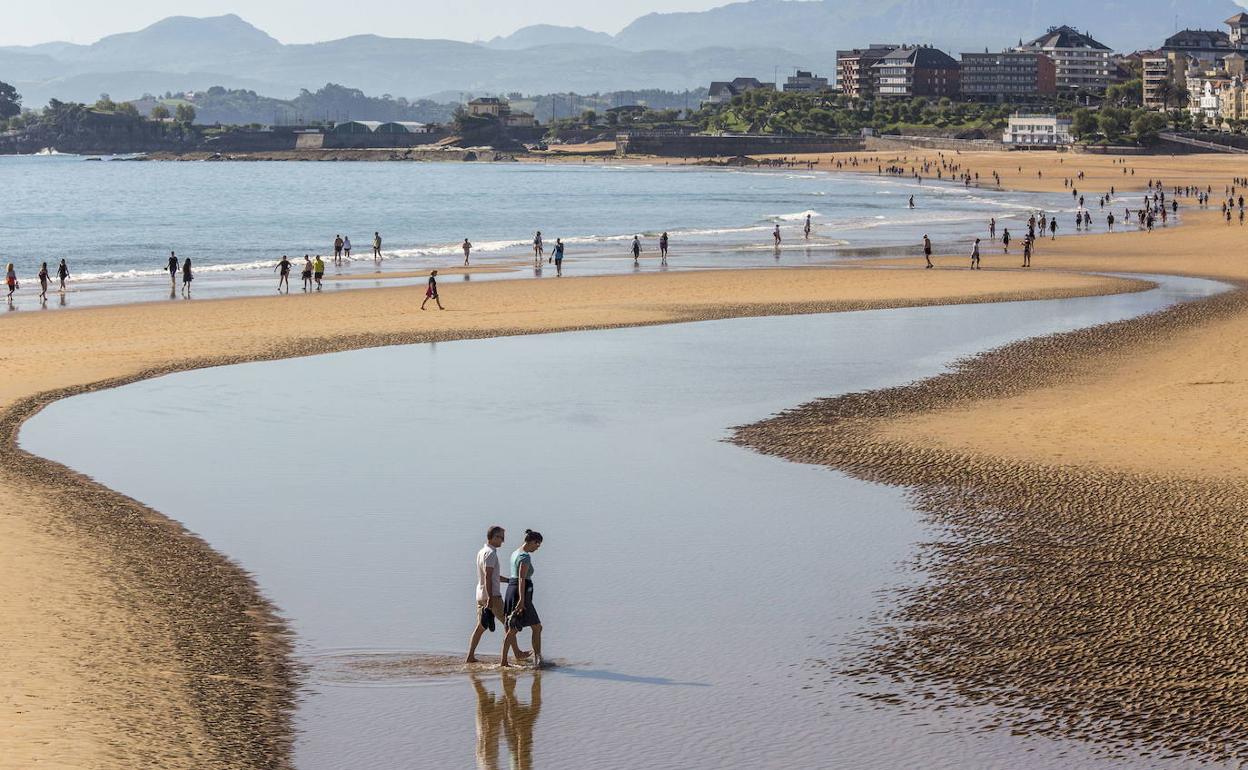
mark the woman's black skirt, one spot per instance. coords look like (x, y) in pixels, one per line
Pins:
(528, 616)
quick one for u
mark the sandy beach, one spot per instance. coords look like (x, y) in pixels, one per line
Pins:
(146, 641)
(1118, 442)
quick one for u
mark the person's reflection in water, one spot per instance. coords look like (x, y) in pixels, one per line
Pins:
(489, 720)
(515, 717)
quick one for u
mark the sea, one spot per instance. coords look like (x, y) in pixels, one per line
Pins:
(115, 220)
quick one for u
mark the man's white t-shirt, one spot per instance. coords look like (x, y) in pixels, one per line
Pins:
(487, 558)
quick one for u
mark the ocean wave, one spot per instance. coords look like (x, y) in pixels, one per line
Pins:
(799, 216)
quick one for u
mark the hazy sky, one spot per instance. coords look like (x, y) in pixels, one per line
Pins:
(305, 21)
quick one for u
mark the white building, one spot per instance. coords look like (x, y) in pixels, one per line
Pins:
(1037, 131)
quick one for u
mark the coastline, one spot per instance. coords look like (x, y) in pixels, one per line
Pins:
(1033, 566)
(38, 491)
(182, 643)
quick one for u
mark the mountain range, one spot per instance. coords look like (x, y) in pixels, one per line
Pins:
(660, 50)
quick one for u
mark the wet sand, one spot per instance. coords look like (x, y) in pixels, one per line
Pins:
(1086, 493)
(143, 645)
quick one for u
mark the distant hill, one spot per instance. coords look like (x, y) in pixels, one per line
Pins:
(673, 51)
(549, 35)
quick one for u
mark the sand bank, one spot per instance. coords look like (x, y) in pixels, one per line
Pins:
(1087, 494)
(132, 643)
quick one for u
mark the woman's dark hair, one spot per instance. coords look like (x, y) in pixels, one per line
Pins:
(532, 537)
(492, 531)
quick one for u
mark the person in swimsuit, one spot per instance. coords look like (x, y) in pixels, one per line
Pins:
(318, 270)
(173, 270)
(558, 256)
(775, 236)
(927, 250)
(1053, 228)
(1027, 251)
(346, 248)
(307, 272)
(975, 255)
(992, 227)
(467, 247)
(1005, 240)
(911, 201)
(376, 248)
(10, 279)
(431, 291)
(43, 282)
(337, 251)
(518, 608)
(636, 249)
(187, 276)
(283, 270)
(62, 272)
(806, 229)
(663, 246)
(538, 252)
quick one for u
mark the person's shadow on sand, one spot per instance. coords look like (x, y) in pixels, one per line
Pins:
(508, 714)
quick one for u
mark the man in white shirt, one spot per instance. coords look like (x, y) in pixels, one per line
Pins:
(489, 577)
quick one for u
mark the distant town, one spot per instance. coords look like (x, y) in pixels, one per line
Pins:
(1061, 88)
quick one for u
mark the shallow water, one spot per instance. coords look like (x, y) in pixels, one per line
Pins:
(235, 219)
(691, 590)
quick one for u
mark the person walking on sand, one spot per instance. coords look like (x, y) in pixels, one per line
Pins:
(431, 291)
(1109, 221)
(346, 248)
(558, 257)
(337, 251)
(1005, 240)
(975, 255)
(318, 270)
(62, 272)
(992, 228)
(467, 247)
(636, 249)
(1027, 251)
(172, 266)
(43, 282)
(187, 276)
(927, 250)
(307, 272)
(538, 251)
(283, 271)
(663, 247)
(10, 279)
(376, 248)
(1053, 228)
(489, 592)
(518, 607)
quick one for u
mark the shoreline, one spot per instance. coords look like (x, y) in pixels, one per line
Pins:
(1031, 564)
(248, 612)
(200, 613)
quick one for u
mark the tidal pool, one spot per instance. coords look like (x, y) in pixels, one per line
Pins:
(691, 590)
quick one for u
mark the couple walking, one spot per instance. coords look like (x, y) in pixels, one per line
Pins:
(516, 611)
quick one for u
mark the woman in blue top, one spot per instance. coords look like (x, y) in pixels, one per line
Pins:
(518, 606)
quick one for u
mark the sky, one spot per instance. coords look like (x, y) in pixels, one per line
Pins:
(307, 21)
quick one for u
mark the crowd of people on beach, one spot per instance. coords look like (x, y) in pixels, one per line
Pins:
(1155, 208)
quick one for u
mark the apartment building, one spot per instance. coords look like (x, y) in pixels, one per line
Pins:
(854, 74)
(1009, 76)
(911, 72)
(1082, 63)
